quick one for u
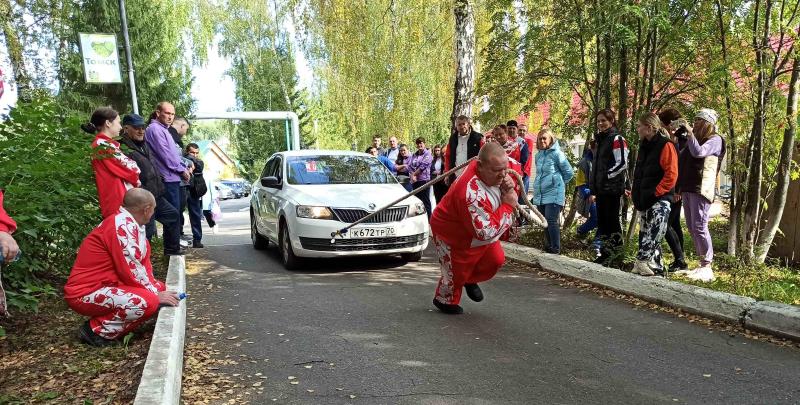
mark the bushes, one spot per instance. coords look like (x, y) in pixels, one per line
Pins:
(45, 169)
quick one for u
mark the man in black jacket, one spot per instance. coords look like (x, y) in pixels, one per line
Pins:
(135, 147)
(464, 144)
(194, 194)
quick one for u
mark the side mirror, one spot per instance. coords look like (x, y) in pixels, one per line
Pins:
(271, 182)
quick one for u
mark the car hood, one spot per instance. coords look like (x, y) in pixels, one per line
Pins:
(349, 195)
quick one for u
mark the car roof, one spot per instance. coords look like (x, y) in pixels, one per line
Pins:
(316, 152)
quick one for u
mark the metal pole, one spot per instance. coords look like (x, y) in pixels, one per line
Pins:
(288, 136)
(124, 18)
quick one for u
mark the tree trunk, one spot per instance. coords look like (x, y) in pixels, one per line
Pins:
(752, 204)
(465, 60)
(15, 50)
(778, 203)
(607, 72)
(622, 119)
(735, 205)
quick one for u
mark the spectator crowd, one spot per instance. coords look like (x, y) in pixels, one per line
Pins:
(676, 171)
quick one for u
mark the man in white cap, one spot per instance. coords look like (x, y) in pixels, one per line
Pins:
(699, 164)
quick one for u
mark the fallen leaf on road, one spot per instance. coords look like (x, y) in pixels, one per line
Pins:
(294, 382)
(308, 366)
(291, 377)
(352, 396)
(310, 390)
(257, 384)
(706, 375)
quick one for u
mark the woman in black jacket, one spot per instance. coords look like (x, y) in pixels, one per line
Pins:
(607, 183)
(653, 189)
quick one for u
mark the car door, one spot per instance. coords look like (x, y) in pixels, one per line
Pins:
(271, 197)
(260, 197)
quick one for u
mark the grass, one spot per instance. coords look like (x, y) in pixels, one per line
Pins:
(764, 282)
(41, 360)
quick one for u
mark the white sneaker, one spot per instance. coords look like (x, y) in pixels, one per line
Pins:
(642, 268)
(184, 243)
(215, 229)
(704, 274)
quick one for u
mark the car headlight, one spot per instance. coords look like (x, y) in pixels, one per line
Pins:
(415, 209)
(310, 211)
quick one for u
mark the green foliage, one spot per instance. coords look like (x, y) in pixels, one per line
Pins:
(382, 67)
(263, 71)
(161, 33)
(46, 172)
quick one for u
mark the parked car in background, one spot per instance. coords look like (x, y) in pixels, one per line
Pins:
(224, 192)
(240, 187)
(305, 195)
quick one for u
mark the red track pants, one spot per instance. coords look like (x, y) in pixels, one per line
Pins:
(465, 266)
(115, 311)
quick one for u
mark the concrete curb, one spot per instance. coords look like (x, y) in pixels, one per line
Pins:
(161, 377)
(771, 317)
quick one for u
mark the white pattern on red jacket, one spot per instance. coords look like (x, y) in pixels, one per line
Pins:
(116, 253)
(471, 213)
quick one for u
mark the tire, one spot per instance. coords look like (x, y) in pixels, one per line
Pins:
(259, 241)
(412, 257)
(289, 260)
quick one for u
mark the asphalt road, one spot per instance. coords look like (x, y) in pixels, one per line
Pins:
(370, 335)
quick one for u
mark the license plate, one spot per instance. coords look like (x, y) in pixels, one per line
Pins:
(361, 233)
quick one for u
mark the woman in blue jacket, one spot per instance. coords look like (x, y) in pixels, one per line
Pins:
(553, 172)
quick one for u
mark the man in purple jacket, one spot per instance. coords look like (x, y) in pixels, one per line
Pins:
(167, 160)
(419, 169)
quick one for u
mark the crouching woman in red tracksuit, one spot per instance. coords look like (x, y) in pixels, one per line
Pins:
(112, 279)
(467, 225)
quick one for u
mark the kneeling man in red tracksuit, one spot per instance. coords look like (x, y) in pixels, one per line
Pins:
(467, 225)
(112, 279)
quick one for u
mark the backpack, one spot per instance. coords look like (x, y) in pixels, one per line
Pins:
(197, 186)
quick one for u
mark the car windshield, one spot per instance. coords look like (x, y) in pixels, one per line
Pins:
(337, 169)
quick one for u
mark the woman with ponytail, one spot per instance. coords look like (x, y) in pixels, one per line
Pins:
(114, 173)
(654, 181)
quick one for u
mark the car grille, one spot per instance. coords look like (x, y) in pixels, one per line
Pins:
(353, 245)
(394, 214)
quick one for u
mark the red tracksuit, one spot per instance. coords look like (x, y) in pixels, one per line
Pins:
(6, 223)
(466, 227)
(114, 173)
(112, 278)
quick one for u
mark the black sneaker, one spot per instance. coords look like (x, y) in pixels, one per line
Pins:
(474, 292)
(179, 252)
(87, 335)
(197, 244)
(678, 266)
(187, 238)
(448, 308)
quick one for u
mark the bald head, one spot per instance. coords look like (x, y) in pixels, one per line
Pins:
(137, 198)
(140, 203)
(492, 164)
(489, 150)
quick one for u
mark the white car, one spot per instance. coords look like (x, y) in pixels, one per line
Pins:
(304, 196)
(224, 192)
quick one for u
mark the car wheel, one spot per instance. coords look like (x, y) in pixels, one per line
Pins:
(290, 261)
(412, 257)
(259, 241)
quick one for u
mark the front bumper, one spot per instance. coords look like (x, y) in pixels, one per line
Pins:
(312, 238)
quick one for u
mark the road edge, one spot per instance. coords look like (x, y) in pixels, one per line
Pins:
(163, 370)
(765, 316)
